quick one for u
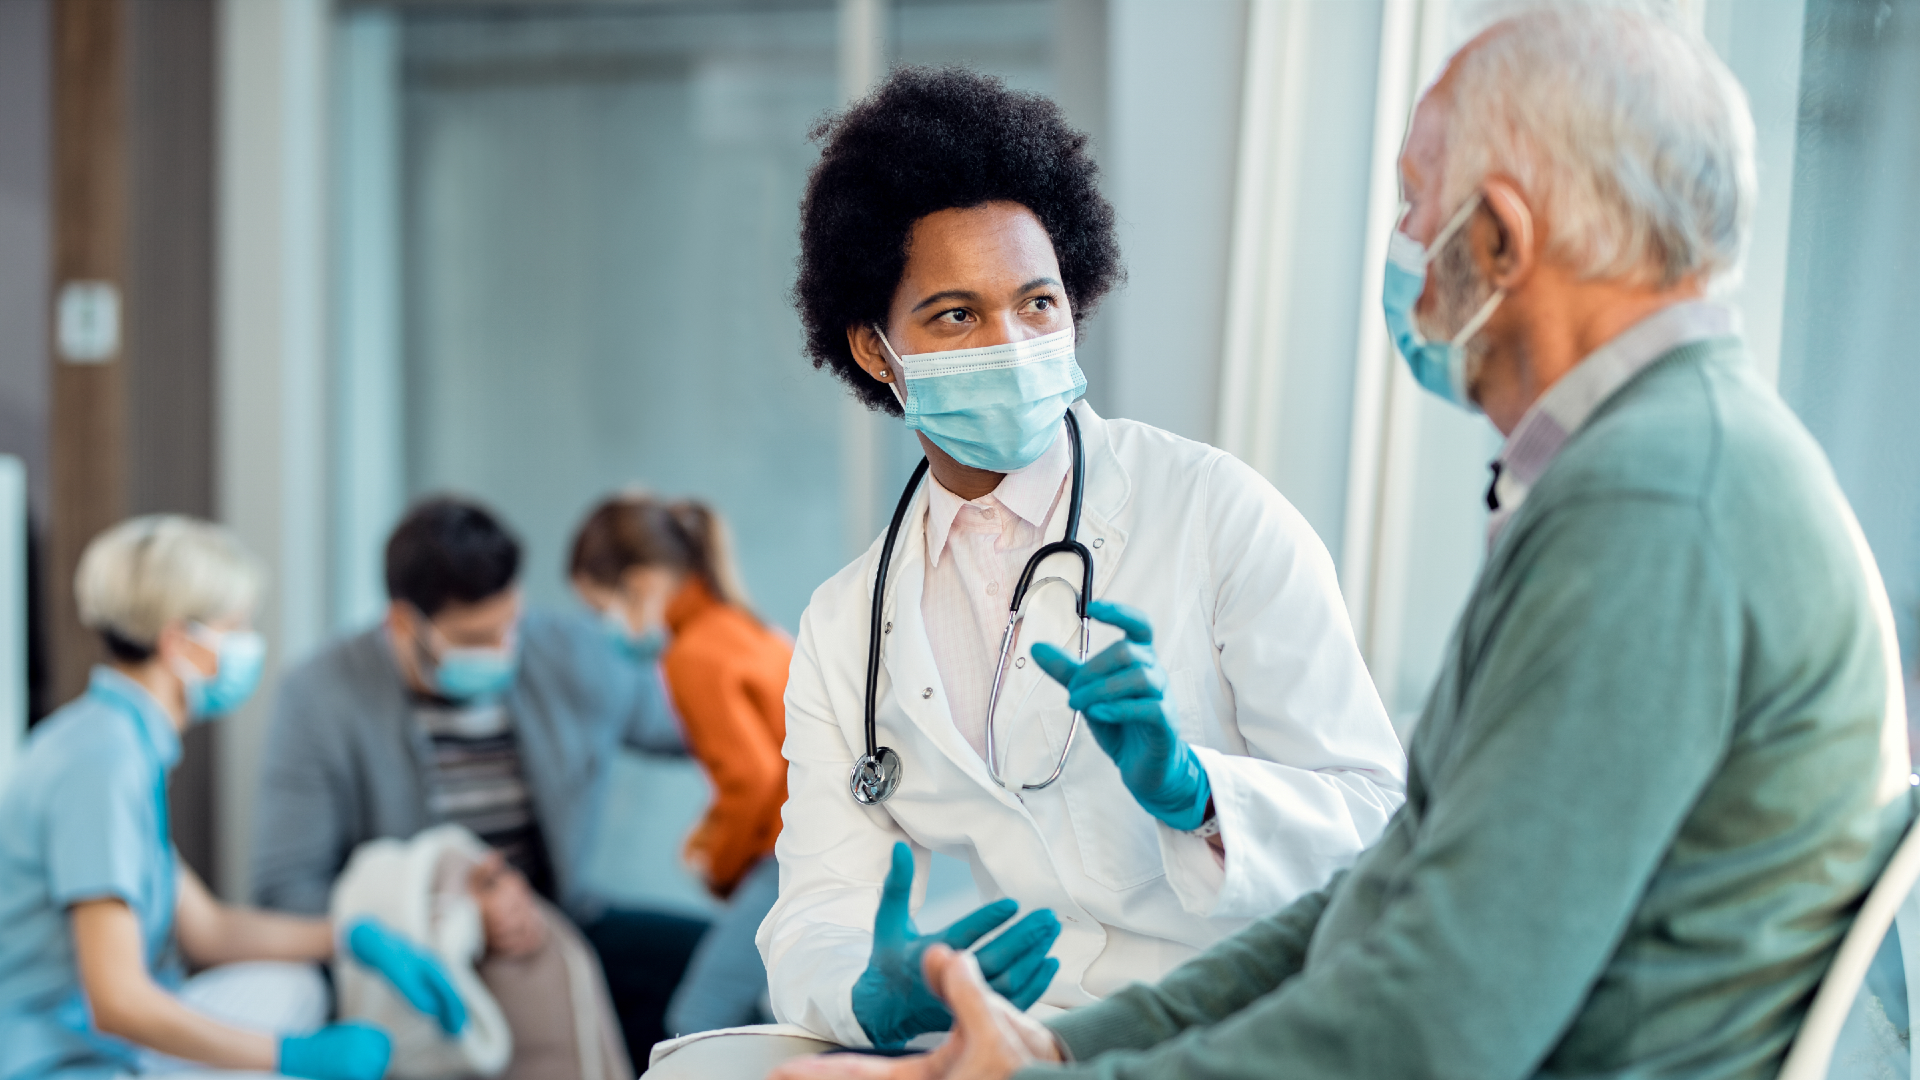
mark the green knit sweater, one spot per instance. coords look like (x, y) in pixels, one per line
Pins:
(1645, 799)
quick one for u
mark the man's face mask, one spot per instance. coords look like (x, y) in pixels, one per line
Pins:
(466, 674)
(996, 408)
(1439, 366)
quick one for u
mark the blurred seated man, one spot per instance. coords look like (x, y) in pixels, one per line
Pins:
(460, 707)
(1666, 757)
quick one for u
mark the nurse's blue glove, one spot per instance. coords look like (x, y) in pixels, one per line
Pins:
(347, 1051)
(1122, 692)
(891, 999)
(413, 971)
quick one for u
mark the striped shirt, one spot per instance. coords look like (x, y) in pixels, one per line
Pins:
(476, 779)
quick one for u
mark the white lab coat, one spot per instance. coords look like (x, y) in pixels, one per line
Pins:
(1270, 691)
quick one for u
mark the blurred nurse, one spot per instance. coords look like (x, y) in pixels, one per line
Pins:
(662, 576)
(97, 915)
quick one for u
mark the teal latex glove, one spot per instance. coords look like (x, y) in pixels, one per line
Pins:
(1122, 693)
(413, 971)
(891, 998)
(347, 1051)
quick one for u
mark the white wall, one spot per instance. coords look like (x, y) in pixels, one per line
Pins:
(271, 341)
(1172, 123)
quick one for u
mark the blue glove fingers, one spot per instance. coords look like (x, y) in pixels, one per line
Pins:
(1144, 712)
(1118, 656)
(1033, 935)
(1145, 681)
(1016, 976)
(891, 923)
(1025, 996)
(347, 1051)
(446, 1005)
(414, 972)
(1056, 663)
(1128, 618)
(978, 923)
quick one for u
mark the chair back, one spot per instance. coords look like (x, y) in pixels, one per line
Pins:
(1812, 1050)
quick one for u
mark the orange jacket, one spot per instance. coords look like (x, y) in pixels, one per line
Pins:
(728, 676)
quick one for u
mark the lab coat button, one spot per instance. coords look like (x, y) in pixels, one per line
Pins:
(1099, 540)
(927, 693)
(1019, 661)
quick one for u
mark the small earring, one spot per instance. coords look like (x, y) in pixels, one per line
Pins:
(884, 376)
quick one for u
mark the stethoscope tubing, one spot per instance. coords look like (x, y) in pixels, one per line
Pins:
(870, 782)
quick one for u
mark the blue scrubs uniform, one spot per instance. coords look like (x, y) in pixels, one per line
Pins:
(82, 817)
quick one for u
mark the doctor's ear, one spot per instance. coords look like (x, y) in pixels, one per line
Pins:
(864, 342)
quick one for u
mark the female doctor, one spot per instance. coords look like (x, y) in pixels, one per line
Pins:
(952, 240)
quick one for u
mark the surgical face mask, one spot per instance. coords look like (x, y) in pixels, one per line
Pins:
(1440, 366)
(470, 673)
(996, 408)
(240, 656)
(639, 648)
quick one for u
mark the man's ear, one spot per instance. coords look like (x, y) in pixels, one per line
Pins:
(1510, 250)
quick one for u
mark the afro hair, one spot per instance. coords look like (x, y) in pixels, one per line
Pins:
(926, 140)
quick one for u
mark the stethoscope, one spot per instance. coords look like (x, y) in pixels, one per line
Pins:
(876, 774)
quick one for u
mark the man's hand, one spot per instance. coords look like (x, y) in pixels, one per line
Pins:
(991, 1039)
(1122, 693)
(511, 919)
(892, 1000)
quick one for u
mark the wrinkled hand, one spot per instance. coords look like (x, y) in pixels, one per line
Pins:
(508, 914)
(413, 971)
(891, 998)
(991, 1039)
(349, 1051)
(1122, 693)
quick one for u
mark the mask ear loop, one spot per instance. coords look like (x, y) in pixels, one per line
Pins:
(1453, 225)
(893, 384)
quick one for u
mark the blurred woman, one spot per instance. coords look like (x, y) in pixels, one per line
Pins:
(663, 577)
(97, 915)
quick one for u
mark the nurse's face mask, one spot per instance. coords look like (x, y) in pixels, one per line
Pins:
(1442, 362)
(240, 655)
(997, 407)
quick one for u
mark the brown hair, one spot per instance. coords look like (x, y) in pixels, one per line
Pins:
(640, 530)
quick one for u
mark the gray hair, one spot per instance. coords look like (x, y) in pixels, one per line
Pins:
(1622, 127)
(146, 572)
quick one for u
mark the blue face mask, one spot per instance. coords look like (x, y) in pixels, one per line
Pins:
(639, 648)
(996, 408)
(470, 673)
(474, 674)
(241, 656)
(1440, 366)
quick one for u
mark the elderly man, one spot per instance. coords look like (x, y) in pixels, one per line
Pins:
(1666, 754)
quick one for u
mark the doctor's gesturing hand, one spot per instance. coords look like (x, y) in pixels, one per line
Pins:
(891, 998)
(1122, 693)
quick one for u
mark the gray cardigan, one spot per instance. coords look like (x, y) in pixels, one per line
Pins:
(345, 762)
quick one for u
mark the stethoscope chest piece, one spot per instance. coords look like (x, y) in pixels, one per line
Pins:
(875, 776)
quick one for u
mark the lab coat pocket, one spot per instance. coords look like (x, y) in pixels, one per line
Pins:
(1119, 841)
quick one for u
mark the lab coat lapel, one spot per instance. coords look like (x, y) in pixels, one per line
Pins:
(1108, 489)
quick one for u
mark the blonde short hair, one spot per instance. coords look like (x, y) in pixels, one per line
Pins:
(146, 572)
